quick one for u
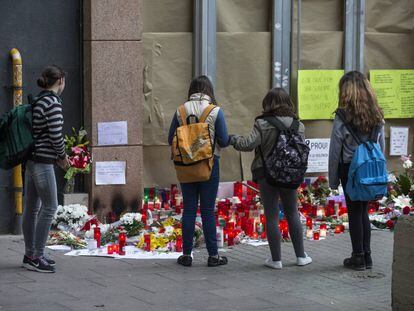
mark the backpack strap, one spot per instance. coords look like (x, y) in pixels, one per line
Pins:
(341, 114)
(183, 114)
(206, 113)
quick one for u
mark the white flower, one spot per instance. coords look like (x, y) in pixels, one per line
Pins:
(169, 230)
(402, 201)
(392, 178)
(407, 164)
(129, 218)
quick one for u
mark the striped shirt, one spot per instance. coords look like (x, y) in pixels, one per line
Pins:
(47, 129)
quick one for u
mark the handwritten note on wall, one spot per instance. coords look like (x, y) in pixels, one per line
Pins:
(318, 93)
(395, 92)
(398, 141)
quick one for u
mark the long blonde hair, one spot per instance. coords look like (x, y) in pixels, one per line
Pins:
(357, 98)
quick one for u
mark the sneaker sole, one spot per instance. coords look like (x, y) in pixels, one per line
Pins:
(272, 267)
(31, 268)
(303, 264)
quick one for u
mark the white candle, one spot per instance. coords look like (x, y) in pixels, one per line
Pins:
(322, 233)
(309, 234)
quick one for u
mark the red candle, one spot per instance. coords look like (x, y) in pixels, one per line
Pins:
(316, 235)
(230, 240)
(238, 190)
(178, 210)
(230, 225)
(179, 244)
(122, 242)
(116, 248)
(262, 219)
(97, 236)
(309, 222)
(147, 241)
(255, 236)
(285, 234)
(339, 229)
(322, 226)
(263, 235)
(110, 249)
(144, 218)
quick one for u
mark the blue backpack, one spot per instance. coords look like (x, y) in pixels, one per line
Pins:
(367, 177)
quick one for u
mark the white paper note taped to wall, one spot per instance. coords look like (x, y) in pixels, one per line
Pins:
(318, 155)
(398, 141)
(110, 173)
(113, 133)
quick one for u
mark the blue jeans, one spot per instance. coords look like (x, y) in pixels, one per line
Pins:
(205, 191)
(41, 204)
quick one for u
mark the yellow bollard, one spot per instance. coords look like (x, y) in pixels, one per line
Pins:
(17, 171)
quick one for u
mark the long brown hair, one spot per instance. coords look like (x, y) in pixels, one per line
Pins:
(358, 100)
(278, 103)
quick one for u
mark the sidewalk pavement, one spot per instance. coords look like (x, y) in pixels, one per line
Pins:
(100, 284)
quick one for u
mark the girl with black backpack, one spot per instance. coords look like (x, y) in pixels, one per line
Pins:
(358, 117)
(272, 132)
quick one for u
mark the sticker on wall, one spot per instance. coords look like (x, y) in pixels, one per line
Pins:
(110, 173)
(112, 133)
(318, 155)
(398, 141)
(318, 93)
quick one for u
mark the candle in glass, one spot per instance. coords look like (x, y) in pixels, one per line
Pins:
(322, 230)
(116, 248)
(320, 213)
(309, 223)
(147, 241)
(97, 236)
(179, 244)
(110, 249)
(309, 234)
(316, 235)
(230, 240)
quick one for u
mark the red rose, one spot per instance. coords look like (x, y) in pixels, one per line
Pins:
(387, 210)
(390, 224)
(406, 210)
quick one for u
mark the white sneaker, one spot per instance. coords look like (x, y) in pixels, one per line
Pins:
(303, 261)
(273, 264)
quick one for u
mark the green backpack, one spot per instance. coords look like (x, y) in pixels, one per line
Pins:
(16, 134)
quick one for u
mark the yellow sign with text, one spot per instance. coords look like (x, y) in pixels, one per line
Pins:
(395, 92)
(318, 93)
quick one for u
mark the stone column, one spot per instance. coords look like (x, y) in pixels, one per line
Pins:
(402, 266)
(113, 65)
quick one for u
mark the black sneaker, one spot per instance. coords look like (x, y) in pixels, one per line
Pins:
(39, 265)
(355, 262)
(26, 260)
(368, 260)
(216, 261)
(185, 260)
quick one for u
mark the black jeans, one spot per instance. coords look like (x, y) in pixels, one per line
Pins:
(359, 224)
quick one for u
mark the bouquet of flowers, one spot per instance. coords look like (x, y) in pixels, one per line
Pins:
(71, 217)
(79, 157)
(132, 223)
(401, 186)
(320, 190)
(65, 238)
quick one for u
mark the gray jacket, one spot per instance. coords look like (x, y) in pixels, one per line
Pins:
(342, 149)
(264, 135)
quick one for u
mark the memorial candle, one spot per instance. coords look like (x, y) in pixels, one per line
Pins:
(122, 243)
(179, 244)
(231, 236)
(97, 236)
(309, 234)
(147, 241)
(309, 222)
(110, 249)
(322, 230)
(316, 235)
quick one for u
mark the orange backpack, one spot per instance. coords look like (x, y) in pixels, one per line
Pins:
(192, 148)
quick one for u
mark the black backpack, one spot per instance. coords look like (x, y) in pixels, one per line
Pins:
(287, 163)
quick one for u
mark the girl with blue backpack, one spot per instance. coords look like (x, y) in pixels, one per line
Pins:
(356, 160)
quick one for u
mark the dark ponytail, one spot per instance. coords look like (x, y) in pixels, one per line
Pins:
(49, 76)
